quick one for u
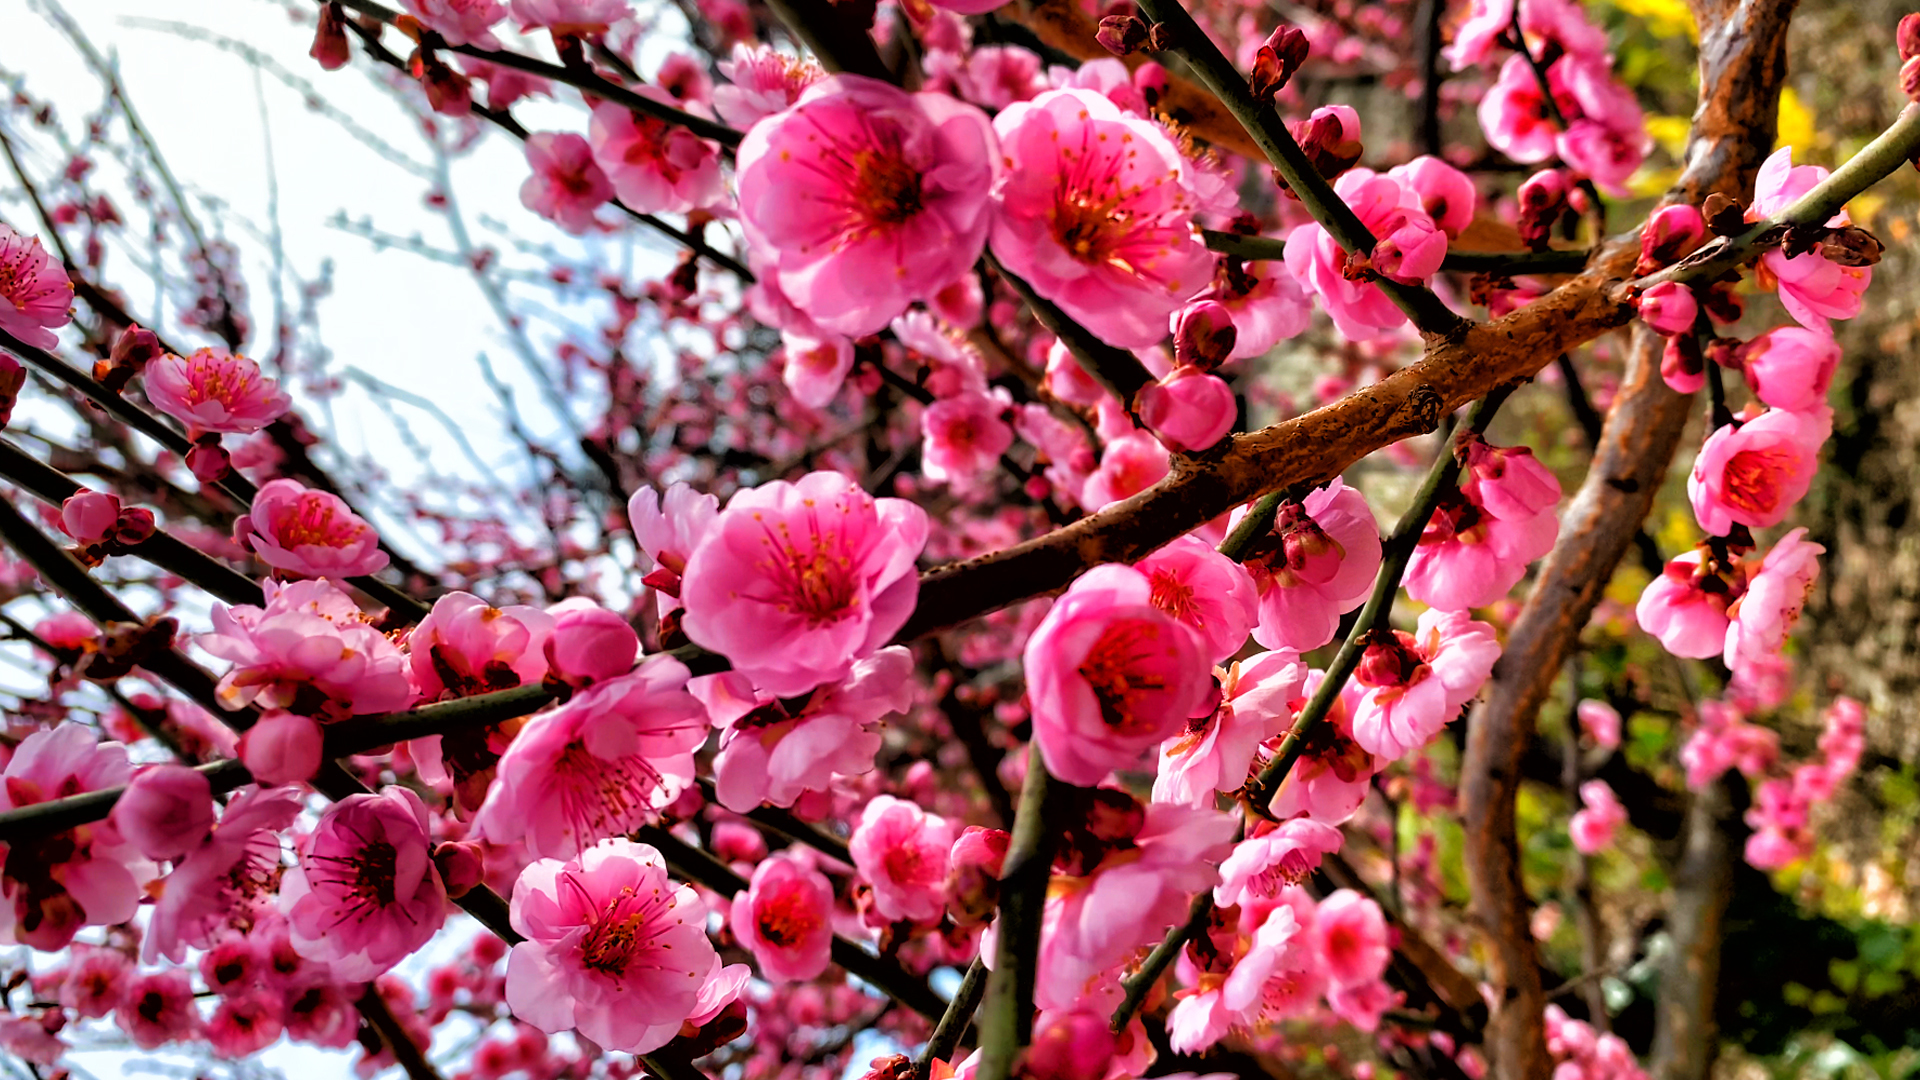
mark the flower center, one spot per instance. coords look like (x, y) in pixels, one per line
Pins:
(602, 797)
(18, 278)
(1117, 671)
(312, 521)
(889, 187)
(1752, 479)
(812, 578)
(784, 923)
(1171, 595)
(617, 933)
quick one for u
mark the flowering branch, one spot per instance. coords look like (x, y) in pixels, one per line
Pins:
(1554, 261)
(406, 1053)
(1117, 370)
(1006, 1025)
(1137, 985)
(953, 1023)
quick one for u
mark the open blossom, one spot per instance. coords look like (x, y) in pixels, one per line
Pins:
(1760, 620)
(461, 22)
(1266, 301)
(1351, 935)
(601, 765)
(567, 186)
(570, 17)
(1214, 752)
(1753, 473)
(165, 812)
(1478, 543)
(760, 82)
(1417, 683)
(365, 893)
(158, 1008)
(655, 166)
(308, 533)
(785, 919)
(814, 369)
(35, 295)
(1410, 250)
(1725, 740)
(1686, 607)
(867, 197)
(1600, 721)
(1274, 857)
(1541, 21)
(1110, 675)
(227, 880)
(1593, 826)
(667, 529)
(214, 390)
(769, 754)
(963, 436)
(465, 647)
(1333, 774)
(1316, 564)
(1789, 367)
(1269, 949)
(1812, 287)
(1129, 465)
(615, 949)
(1096, 215)
(89, 875)
(797, 581)
(1514, 114)
(1211, 594)
(1446, 193)
(901, 850)
(309, 637)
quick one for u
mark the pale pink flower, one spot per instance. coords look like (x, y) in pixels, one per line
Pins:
(590, 643)
(785, 919)
(1096, 213)
(1129, 465)
(365, 893)
(1601, 721)
(1410, 249)
(1669, 308)
(567, 186)
(86, 876)
(667, 530)
(1350, 935)
(761, 82)
(1507, 481)
(1514, 114)
(953, 367)
(867, 197)
(1188, 409)
(461, 22)
(465, 647)
(963, 436)
(1607, 153)
(1754, 473)
(1592, 827)
(1109, 675)
(1275, 857)
(228, 881)
(1266, 301)
(1789, 367)
(1067, 379)
(901, 850)
(1333, 774)
(1812, 288)
(308, 533)
(310, 636)
(214, 390)
(1063, 447)
(770, 755)
(1364, 1004)
(1275, 951)
(797, 581)
(1724, 740)
(1211, 594)
(996, 76)
(1446, 193)
(158, 1009)
(1469, 556)
(1843, 735)
(35, 296)
(505, 85)
(1779, 821)
(1761, 619)
(1215, 752)
(1689, 620)
(1316, 564)
(165, 812)
(601, 765)
(615, 949)
(1417, 683)
(67, 630)
(815, 369)
(573, 18)
(655, 166)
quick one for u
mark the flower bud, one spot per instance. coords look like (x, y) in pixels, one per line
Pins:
(1330, 138)
(1910, 78)
(209, 462)
(1669, 308)
(135, 525)
(166, 811)
(282, 748)
(462, 866)
(1069, 1046)
(1671, 234)
(1683, 366)
(330, 39)
(89, 516)
(973, 874)
(1907, 37)
(1121, 35)
(1188, 410)
(448, 92)
(135, 346)
(1203, 334)
(12, 378)
(1388, 661)
(1543, 198)
(1274, 64)
(590, 643)
(1724, 215)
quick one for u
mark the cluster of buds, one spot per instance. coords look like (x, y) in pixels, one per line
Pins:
(1274, 64)
(1124, 35)
(132, 351)
(100, 527)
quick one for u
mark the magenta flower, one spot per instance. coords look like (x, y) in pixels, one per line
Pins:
(815, 369)
(465, 647)
(771, 755)
(35, 296)
(1417, 683)
(1273, 858)
(1790, 368)
(655, 167)
(1095, 214)
(88, 516)
(1267, 303)
(461, 22)
(1350, 934)
(797, 581)
(963, 436)
(615, 949)
(1541, 21)
(1600, 721)
(601, 765)
(1593, 825)
(1270, 948)
(1507, 481)
(1753, 473)
(1409, 248)
(1478, 543)
(1317, 564)
(365, 894)
(227, 881)
(1109, 676)
(213, 390)
(1446, 193)
(1215, 752)
(867, 197)
(667, 530)
(1669, 308)
(283, 748)
(785, 919)
(901, 850)
(1333, 775)
(566, 186)
(308, 533)
(1761, 619)
(1685, 608)
(310, 637)
(1812, 288)
(762, 82)
(158, 1009)
(1129, 465)
(1210, 594)
(86, 876)
(1514, 114)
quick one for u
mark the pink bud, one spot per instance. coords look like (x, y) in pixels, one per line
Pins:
(209, 462)
(135, 346)
(166, 811)
(462, 866)
(1682, 366)
(1542, 198)
(1671, 234)
(589, 643)
(12, 378)
(1600, 720)
(1388, 661)
(1279, 57)
(1070, 1046)
(1907, 37)
(1121, 35)
(1203, 334)
(1789, 367)
(973, 874)
(330, 39)
(89, 516)
(1187, 410)
(282, 748)
(135, 525)
(1330, 137)
(1669, 308)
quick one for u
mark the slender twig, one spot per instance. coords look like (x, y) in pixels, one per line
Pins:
(1120, 372)
(953, 1023)
(1137, 985)
(782, 823)
(1006, 1023)
(406, 1053)
(1267, 248)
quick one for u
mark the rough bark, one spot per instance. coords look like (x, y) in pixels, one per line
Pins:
(1685, 1035)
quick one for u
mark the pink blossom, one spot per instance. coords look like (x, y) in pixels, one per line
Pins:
(1514, 114)
(969, 7)
(867, 197)
(963, 436)
(88, 875)
(214, 390)
(615, 949)
(1812, 288)
(1507, 482)
(1724, 740)
(1790, 368)
(244, 1024)
(1275, 951)
(35, 296)
(785, 918)
(1211, 594)
(1752, 474)
(1779, 821)
(760, 83)
(158, 1009)
(165, 812)
(308, 533)
(590, 644)
(601, 765)
(1063, 447)
(797, 581)
(996, 76)
(770, 755)
(1071, 1044)
(1669, 308)
(1593, 826)
(283, 748)
(89, 516)
(901, 850)
(1470, 558)
(365, 894)
(667, 530)
(1266, 301)
(96, 980)
(1275, 857)
(654, 166)
(1095, 215)
(815, 369)
(1332, 776)
(1188, 409)
(311, 637)
(227, 880)
(1316, 564)
(1446, 193)
(1600, 721)
(505, 85)
(1350, 935)
(1417, 683)
(1067, 379)
(1843, 735)
(1541, 21)
(1215, 752)
(461, 22)
(575, 18)
(1672, 232)
(567, 186)
(1128, 465)
(465, 647)
(1608, 153)
(1686, 608)
(973, 874)
(1110, 675)
(1761, 619)
(1410, 249)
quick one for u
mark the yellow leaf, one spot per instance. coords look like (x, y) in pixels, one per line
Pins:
(1670, 132)
(1665, 18)
(1796, 124)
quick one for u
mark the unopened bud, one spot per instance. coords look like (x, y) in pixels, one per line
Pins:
(1121, 35)
(448, 92)
(1159, 37)
(973, 874)
(330, 38)
(1151, 80)
(1851, 246)
(1073, 1045)
(1330, 138)
(135, 525)
(209, 462)
(88, 516)
(1682, 366)
(462, 866)
(1724, 215)
(1671, 234)
(1203, 334)
(1669, 308)
(135, 346)
(1388, 661)
(1274, 64)
(1907, 37)
(12, 378)
(1542, 198)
